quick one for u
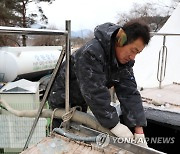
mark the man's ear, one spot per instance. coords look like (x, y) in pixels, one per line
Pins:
(121, 38)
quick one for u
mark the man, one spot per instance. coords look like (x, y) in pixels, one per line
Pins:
(103, 62)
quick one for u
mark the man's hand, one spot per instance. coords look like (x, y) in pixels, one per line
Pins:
(140, 140)
(122, 131)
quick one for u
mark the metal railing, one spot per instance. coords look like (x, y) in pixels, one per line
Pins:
(162, 60)
(67, 34)
(30, 31)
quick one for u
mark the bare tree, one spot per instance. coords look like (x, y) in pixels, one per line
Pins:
(79, 41)
(147, 13)
(14, 13)
(48, 40)
(28, 19)
(89, 37)
(172, 6)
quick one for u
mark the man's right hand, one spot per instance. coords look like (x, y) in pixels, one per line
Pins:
(122, 131)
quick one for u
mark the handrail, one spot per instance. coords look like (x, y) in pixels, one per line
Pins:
(165, 34)
(161, 71)
(30, 31)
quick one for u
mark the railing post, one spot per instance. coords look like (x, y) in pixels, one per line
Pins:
(162, 66)
(68, 52)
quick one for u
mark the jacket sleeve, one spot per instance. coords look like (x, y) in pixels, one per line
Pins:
(92, 80)
(130, 99)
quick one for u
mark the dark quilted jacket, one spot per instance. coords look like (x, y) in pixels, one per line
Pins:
(93, 70)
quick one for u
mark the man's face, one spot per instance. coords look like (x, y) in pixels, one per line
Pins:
(128, 52)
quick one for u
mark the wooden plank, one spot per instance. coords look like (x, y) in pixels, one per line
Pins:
(68, 146)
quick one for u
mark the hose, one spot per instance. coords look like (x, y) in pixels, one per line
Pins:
(74, 137)
(78, 116)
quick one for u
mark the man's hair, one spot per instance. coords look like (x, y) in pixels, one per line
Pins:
(135, 29)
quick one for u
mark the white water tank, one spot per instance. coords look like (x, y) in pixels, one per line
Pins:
(27, 61)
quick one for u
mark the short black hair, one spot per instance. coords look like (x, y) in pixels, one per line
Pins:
(135, 29)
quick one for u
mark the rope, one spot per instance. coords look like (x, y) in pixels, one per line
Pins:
(66, 117)
(52, 117)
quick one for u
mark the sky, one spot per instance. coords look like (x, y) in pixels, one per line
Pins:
(86, 14)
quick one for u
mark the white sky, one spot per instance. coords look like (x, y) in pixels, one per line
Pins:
(86, 14)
